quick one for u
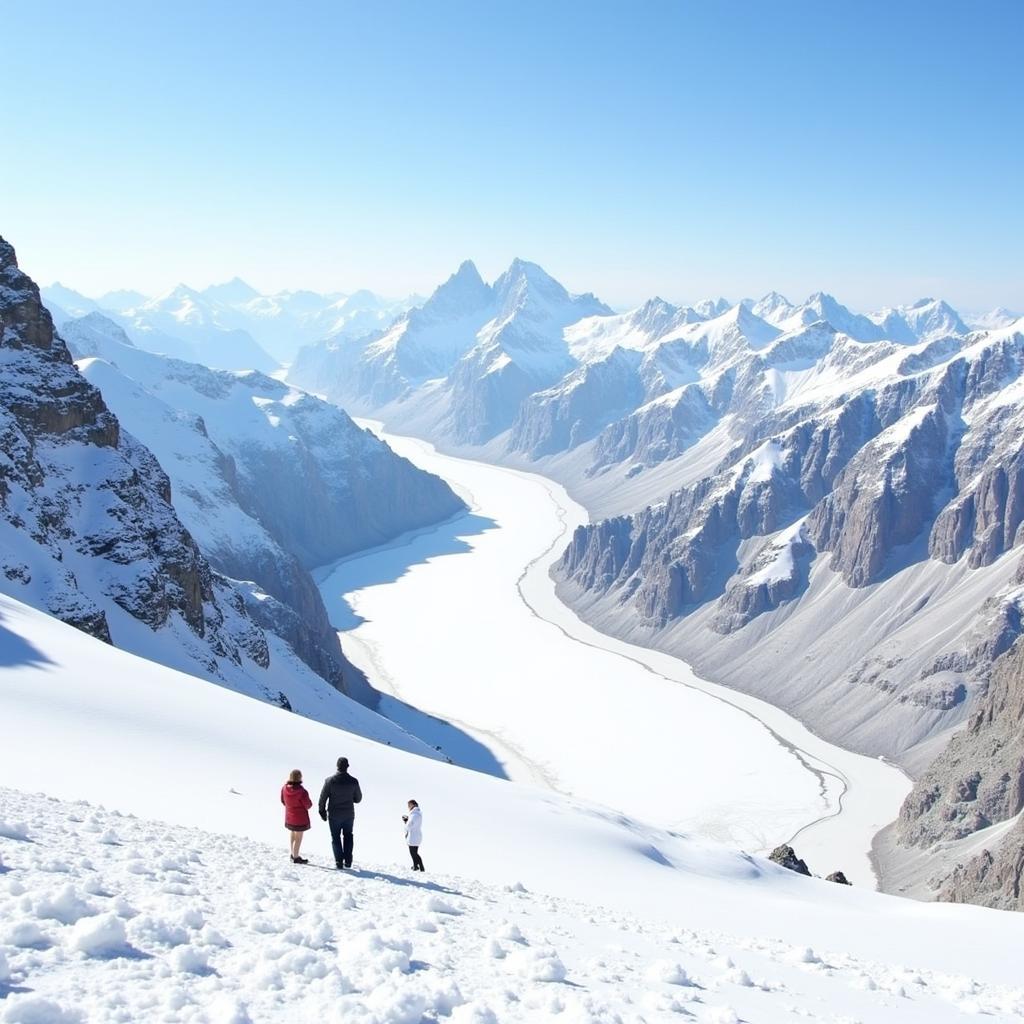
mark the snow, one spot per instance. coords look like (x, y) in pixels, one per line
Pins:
(778, 561)
(194, 940)
(199, 916)
(486, 575)
(899, 432)
(765, 460)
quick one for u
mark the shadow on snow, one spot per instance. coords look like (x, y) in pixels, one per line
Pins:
(386, 564)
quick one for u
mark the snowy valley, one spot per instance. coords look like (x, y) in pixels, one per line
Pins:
(818, 507)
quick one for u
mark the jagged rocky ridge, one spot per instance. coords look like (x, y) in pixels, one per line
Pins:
(915, 459)
(87, 523)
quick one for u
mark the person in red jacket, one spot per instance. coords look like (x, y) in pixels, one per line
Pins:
(296, 812)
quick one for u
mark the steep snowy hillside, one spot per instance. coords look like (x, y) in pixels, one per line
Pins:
(237, 449)
(199, 916)
(88, 532)
(274, 442)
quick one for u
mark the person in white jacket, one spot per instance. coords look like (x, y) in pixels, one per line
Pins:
(414, 834)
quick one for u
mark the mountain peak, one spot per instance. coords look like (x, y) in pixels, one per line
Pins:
(524, 278)
(711, 308)
(8, 258)
(520, 269)
(467, 271)
(463, 292)
(234, 291)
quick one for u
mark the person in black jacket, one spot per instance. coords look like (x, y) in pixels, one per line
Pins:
(338, 798)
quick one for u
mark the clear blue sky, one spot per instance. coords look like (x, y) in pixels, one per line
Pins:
(875, 150)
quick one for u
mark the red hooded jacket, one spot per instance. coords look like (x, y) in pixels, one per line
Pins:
(296, 804)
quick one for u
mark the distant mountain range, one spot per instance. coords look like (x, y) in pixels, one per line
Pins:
(230, 326)
(818, 506)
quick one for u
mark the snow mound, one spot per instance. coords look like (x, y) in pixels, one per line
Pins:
(102, 936)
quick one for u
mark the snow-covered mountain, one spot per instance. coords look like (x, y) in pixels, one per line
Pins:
(280, 442)
(88, 532)
(465, 359)
(998, 317)
(183, 317)
(169, 894)
(231, 325)
(765, 478)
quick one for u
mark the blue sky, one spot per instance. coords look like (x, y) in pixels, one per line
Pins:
(682, 149)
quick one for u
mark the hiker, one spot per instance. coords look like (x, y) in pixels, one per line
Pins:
(414, 834)
(296, 812)
(338, 798)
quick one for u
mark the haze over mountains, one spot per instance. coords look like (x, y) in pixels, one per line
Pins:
(230, 325)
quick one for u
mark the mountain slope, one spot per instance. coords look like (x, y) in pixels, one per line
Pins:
(976, 783)
(88, 532)
(278, 442)
(515, 917)
(896, 483)
(237, 449)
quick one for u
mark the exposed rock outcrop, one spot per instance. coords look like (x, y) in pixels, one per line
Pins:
(993, 878)
(91, 498)
(978, 780)
(785, 856)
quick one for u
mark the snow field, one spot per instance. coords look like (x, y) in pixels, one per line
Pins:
(173, 924)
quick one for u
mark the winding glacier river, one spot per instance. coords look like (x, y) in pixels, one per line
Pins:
(461, 621)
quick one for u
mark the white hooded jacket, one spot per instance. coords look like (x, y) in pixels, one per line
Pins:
(414, 828)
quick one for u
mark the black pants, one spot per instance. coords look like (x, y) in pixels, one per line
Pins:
(341, 826)
(417, 860)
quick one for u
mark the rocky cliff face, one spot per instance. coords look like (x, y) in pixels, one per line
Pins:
(894, 470)
(975, 783)
(978, 780)
(591, 398)
(87, 529)
(993, 878)
(79, 488)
